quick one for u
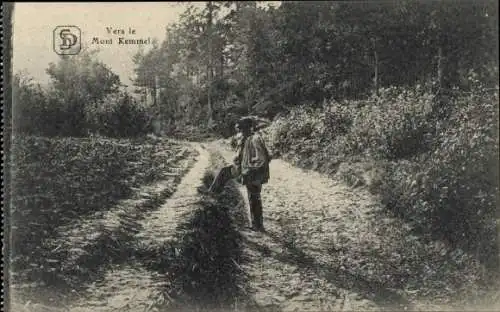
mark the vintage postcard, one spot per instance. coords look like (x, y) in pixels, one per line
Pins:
(251, 156)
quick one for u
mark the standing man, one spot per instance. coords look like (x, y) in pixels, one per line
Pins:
(252, 160)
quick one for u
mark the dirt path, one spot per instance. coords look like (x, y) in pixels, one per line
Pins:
(306, 216)
(160, 225)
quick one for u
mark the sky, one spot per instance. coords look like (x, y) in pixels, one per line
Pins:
(34, 24)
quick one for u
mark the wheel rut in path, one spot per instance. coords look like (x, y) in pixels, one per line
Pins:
(161, 224)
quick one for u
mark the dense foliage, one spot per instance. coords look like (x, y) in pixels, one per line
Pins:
(83, 97)
(440, 174)
(232, 58)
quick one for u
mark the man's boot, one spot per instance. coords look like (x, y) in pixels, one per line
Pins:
(255, 214)
(258, 217)
(261, 217)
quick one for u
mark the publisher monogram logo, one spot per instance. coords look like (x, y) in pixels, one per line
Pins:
(67, 40)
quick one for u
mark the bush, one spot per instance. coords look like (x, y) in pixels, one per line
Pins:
(392, 125)
(338, 120)
(44, 112)
(452, 190)
(38, 112)
(123, 117)
(299, 132)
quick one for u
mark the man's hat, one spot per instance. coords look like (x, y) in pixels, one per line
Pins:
(252, 121)
(245, 123)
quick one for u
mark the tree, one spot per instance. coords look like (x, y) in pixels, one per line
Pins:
(30, 113)
(210, 74)
(81, 83)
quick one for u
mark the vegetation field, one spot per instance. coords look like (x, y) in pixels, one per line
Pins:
(65, 189)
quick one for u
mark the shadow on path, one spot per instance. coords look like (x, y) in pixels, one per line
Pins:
(372, 290)
(70, 276)
(203, 265)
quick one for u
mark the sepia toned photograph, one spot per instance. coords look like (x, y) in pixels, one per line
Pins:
(251, 156)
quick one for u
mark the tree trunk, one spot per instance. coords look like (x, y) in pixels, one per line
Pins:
(209, 66)
(154, 91)
(156, 95)
(375, 65)
(440, 68)
(440, 105)
(375, 76)
(251, 70)
(221, 61)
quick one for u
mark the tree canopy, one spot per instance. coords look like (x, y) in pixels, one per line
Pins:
(240, 57)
